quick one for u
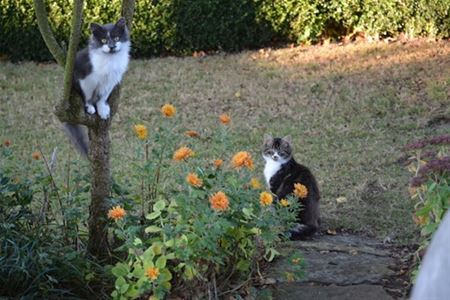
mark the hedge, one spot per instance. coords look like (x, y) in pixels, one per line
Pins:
(180, 27)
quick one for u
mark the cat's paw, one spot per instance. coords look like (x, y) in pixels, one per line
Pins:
(90, 109)
(103, 110)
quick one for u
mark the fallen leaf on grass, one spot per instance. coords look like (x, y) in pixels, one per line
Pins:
(331, 231)
(341, 200)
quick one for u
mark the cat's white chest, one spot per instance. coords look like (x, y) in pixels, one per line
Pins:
(108, 69)
(270, 169)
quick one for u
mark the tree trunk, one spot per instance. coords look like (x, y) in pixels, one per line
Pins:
(99, 150)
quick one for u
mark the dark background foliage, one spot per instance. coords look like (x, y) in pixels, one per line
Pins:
(180, 27)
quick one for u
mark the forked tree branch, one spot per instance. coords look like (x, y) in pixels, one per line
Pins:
(47, 34)
(74, 40)
(128, 12)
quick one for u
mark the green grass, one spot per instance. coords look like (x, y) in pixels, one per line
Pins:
(349, 109)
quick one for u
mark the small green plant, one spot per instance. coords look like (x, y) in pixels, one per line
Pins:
(206, 226)
(430, 186)
(41, 231)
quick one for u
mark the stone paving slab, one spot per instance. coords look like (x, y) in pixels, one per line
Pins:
(338, 267)
(290, 291)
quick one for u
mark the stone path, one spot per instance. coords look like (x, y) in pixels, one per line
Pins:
(338, 267)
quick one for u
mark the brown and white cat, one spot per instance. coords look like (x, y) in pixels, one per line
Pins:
(281, 173)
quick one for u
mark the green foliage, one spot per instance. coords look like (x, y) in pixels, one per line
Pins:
(430, 187)
(182, 236)
(180, 27)
(40, 237)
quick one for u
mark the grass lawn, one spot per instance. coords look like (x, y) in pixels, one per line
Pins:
(349, 110)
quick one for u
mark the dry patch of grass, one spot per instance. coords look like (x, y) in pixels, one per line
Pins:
(349, 109)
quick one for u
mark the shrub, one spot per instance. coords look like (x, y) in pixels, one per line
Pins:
(206, 227)
(430, 186)
(41, 232)
(180, 27)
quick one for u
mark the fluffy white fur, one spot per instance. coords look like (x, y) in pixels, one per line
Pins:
(107, 71)
(273, 164)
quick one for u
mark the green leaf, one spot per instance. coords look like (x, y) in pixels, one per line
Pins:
(248, 212)
(138, 272)
(120, 269)
(119, 283)
(161, 262)
(169, 243)
(152, 229)
(159, 205)
(148, 254)
(270, 254)
(153, 215)
(165, 275)
(243, 265)
(137, 242)
(189, 272)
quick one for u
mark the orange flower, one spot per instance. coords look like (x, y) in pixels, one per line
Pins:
(36, 155)
(152, 273)
(218, 163)
(242, 159)
(296, 261)
(116, 213)
(192, 133)
(141, 131)
(182, 153)
(219, 201)
(265, 198)
(300, 190)
(255, 184)
(193, 180)
(284, 202)
(168, 110)
(420, 220)
(7, 143)
(225, 119)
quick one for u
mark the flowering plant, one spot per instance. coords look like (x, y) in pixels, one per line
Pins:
(207, 223)
(430, 185)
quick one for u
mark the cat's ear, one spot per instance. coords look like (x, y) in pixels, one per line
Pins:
(95, 27)
(268, 139)
(121, 22)
(288, 139)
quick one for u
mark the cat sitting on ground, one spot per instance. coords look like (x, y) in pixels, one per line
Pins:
(98, 69)
(281, 173)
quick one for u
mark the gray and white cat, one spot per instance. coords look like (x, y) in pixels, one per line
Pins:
(98, 69)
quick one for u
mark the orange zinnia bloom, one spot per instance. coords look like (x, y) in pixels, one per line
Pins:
(218, 163)
(116, 213)
(182, 153)
(36, 155)
(255, 184)
(192, 133)
(300, 190)
(7, 143)
(219, 201)
(193, 180)
(152, 273)
(284, 202)
(225, 119)
(168, 110)
(242, 159)
(265, 198)
(141, 131)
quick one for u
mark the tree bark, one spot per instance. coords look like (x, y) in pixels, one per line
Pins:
(99, 153)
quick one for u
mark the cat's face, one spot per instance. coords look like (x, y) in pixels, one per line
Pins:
(110, 37)
(277, 149)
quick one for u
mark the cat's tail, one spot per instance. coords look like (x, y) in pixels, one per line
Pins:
(78, 136)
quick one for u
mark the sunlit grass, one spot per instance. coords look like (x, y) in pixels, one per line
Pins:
(349, 110)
